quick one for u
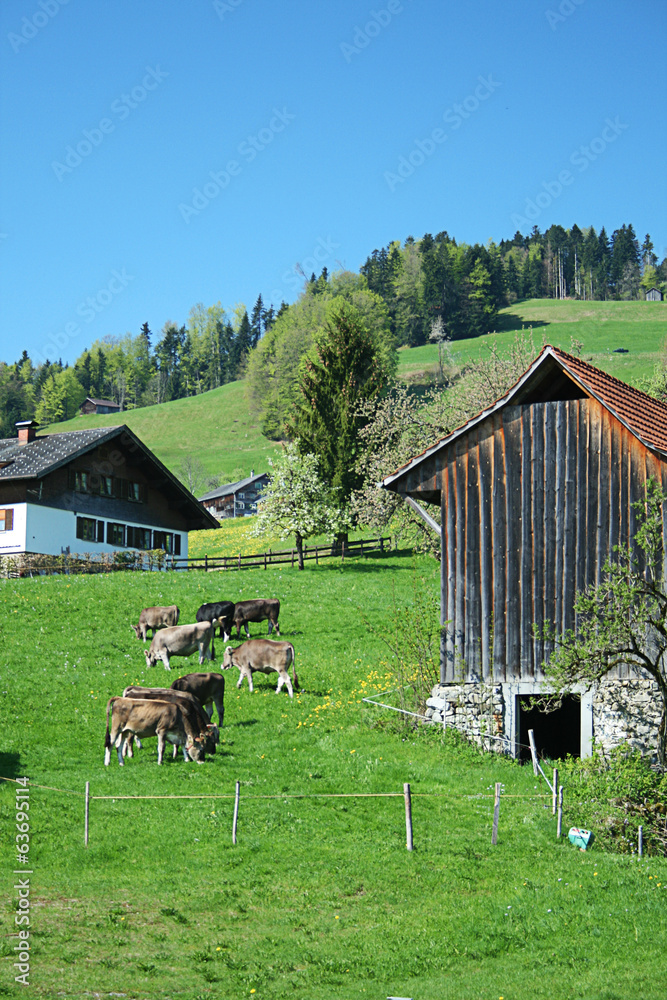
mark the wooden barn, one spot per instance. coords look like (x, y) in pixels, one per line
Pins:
(535, 492)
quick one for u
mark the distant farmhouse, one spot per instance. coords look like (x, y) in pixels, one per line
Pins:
(534, 494)
(98, 491)
(98, 406)
(654, 295)
(236, 499)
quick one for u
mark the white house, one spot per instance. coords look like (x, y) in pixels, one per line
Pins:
(96, 491)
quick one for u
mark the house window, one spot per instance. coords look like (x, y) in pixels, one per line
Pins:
(106, 486)
(134, 492)
(177, 545)
(89, 530)
(115, 533)
(6, 519)
(81, 482)
(138, 538)
(162, 540)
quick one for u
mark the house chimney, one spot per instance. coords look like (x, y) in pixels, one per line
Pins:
(27, 430)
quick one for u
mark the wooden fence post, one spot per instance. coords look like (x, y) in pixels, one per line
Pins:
(640, 842)
(554, 791)
(496, 814)
(533, 751)
(86, 815)
(408, 815)
(265, 560)
(206, 562)
(292, 558)
(236, 811)
(239, 560)
(559, 822)
(317, 561)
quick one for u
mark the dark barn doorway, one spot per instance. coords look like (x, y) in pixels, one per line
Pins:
(557, 734)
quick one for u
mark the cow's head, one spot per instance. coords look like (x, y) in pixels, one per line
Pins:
(137, 630)
(196, 748)
(227, 658)
(150, 660)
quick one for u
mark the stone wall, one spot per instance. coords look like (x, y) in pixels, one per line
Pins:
(627, 711)
(476, 709)
(623, 711)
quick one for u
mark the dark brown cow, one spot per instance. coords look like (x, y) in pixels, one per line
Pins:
(155, 618)
(257, 611)
(264, 655)
(208, 689)
(144, 718)
(182, 640)
(179, 697)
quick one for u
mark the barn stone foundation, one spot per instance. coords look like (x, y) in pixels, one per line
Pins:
(616, 711)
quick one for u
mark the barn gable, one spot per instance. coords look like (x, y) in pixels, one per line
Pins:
(535, 492)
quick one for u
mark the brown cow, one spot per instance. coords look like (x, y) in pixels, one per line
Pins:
(208, 689)
(256, 611)
(264, 655)
(182, 640)
(145, 718)
(178, 697)
(155, 618)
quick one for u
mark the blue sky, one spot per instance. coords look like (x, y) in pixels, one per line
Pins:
(156, 154)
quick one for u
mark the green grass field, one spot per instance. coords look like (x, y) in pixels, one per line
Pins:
(602, 327)
(319, 898)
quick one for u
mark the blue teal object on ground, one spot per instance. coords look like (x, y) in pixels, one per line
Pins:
(580, 838)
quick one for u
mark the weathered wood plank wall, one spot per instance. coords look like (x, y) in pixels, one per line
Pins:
(533, 501)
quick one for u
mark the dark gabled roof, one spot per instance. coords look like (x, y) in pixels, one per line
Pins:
(556, 375)
(101, 402)
(48, 452)
(230, 488)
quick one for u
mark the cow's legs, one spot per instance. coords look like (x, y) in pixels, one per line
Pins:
(160, 747)
(283, 678)
(164, 656)
(221, 712)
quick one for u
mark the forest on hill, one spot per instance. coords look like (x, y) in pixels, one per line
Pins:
(409, 293)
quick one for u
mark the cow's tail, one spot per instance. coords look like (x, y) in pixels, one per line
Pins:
(296, 679)
(107, 738)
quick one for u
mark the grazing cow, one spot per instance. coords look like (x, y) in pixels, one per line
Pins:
(224, 612)
(264, 655)
(182, 640)
(144, 718)
(155, 618)
(177, 697)
(208, 689)
(257, 611)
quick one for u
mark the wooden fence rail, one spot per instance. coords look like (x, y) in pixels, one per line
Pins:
(30, 564)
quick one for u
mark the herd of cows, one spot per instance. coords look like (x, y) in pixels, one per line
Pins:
(182, 714)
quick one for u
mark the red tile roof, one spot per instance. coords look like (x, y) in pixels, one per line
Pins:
(645, 416)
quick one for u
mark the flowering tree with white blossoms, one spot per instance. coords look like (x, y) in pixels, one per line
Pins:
(297, 502)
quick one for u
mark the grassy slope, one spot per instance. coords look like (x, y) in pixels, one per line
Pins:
(319, 899)
(600, 326)
(216, 427)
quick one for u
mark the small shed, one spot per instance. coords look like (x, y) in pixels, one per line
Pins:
(90, 405)
(535, 492)
(654, 295)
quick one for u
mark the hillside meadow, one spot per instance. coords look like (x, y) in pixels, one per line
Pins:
(319, 898)
(219, 430)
